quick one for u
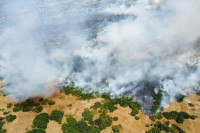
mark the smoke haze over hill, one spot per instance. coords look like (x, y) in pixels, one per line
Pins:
(111, 46)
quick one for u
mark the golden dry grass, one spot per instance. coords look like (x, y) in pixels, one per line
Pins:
(128, 122)
(190, 126)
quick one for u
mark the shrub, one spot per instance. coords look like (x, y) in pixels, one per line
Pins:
(162, 127)
(41, 99)
(86, 95)
(9, 105)
(1, 122)
(38, 109)
(72, 126)
(135, 106)
(124, 101)
(110, 105)
(116, 129)
(96, 105)
(191, 105)
(137, 118)
(41, 120)
(185, 115)
(26, 109)
(154, 130)
(156, 116)
(106, 96)
(193, 117)
(115, 118)
(16, 109)
(78, 92)
(3, 131)
(180, 119)
(103, 121)
(45, 101)
(179, 98)
(10, 118)
(36, 131)
(87, 115)
(57, 116)
(5, 113)
(51, 102)
(25, 106)
(69, 105)
(71, 120)
(171, 115)
(147, 125)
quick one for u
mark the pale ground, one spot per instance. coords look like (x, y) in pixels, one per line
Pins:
(129, 124)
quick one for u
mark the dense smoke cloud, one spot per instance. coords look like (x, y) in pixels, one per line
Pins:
(117, 47)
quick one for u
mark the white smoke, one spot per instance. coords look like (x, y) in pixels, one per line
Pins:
(157, 41)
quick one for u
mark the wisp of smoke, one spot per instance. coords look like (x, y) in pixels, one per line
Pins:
(132, 47)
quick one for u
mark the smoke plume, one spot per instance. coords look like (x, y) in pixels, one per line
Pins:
(132, 47)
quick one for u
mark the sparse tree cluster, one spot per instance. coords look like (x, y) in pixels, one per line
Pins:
(73, 126)
(159, 127)
(78, 92)
(2, 122)
(178, 116)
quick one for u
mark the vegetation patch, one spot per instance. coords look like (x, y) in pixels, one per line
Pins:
(191, 105)
(9, 105)
(103, 121)
(116, 129)
(178, 116)
(87, 115)
(159, 127)
(5, 113)
(156, 116)
(157, 101)
(44, 102)
(75, 91)
(180, 130)
(51, 102)
(70, 105)
(1, 125)
(10, 118)
(25, 106)
(72, 126)
(41, 121)
(38, 109)
(154, 130)
(115, 118)
(179, 98)
(137, 117)
(57, 116)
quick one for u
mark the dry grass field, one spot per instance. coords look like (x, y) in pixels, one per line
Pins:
(71, 105)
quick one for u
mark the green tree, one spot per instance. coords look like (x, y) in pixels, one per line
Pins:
(10, 118)
(41, 120)
(57, 116)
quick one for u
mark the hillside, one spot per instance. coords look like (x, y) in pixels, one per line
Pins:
(74, 106)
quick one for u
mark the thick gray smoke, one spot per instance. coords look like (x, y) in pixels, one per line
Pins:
(119, 47)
